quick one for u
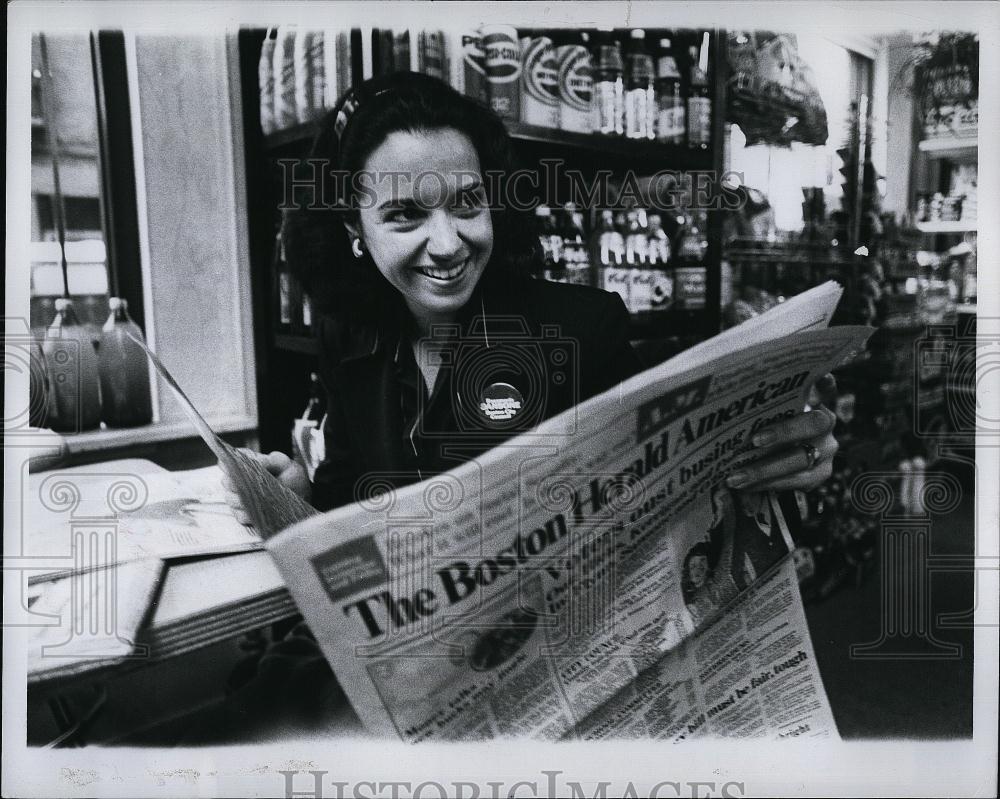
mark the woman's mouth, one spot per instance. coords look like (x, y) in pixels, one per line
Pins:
(451, 273)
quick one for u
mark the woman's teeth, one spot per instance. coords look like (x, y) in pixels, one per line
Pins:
(443, 274)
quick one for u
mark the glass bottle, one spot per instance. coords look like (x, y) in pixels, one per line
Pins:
(699, 104)
(608, 255)
(661, 280)
(640, 98)
(125, 394)
(609, 96)
(71, 362)
(671, 116)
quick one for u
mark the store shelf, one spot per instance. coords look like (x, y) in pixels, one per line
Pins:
(957, 148)
(296, 134)
(961, 226)
(291, 343)
(302, 134)
(661, 324)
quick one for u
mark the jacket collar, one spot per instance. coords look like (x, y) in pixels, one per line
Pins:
(358, 340)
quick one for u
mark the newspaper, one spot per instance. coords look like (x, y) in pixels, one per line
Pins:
(591, 578)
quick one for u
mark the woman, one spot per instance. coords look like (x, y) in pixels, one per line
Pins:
(416, 251)
(405, 259)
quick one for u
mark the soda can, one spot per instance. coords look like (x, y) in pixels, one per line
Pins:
(502, 60)
(576, 88)
(539, 82)
(473, 60)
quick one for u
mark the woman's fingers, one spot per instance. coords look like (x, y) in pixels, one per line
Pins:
(826, 387)
(801, 427)
(803, 466)
(234, 502)
(276, 462)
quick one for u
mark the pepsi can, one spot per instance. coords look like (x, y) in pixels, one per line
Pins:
(502, 60)
(539, 82)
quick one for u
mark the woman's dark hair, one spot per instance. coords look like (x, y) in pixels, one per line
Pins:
(316, 244)
(688, 589)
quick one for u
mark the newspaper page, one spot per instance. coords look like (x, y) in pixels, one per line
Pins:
(592, 578)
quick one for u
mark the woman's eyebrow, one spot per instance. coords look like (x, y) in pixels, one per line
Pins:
(397, 202)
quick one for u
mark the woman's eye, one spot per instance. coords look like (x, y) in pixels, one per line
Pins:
(404, 215)
(469, 202)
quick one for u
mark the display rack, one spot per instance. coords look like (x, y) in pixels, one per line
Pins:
(285, 358)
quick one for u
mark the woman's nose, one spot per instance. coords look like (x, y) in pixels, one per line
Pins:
(443, 241)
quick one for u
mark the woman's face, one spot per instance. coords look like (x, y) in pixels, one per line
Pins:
(698, 570)
(425, 220)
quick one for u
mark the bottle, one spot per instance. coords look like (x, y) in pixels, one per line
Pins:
(71, 362)
(689, 273)
(284, 290)
(125, 396)
(658, 249)
(640, 98)
(608, 100)
(575, 256)
(552, 244)
(699, 104)
(38, 386)
(671, 122)
(608, 256)
(637, 260)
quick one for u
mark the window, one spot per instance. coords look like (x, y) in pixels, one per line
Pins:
(82, 173)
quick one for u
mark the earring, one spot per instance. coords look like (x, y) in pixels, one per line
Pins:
(356, 248)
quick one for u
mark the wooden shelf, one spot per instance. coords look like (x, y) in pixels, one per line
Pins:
(116, 438)
(961, 226)
(618, 146)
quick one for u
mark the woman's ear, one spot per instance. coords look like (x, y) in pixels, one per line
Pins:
(353, 227)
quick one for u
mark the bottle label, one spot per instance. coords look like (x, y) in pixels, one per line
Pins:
(666, 67)
(699, 120)
(672, 121)
(608, 103)
(640, 290)
(616, 279)
(661, 293)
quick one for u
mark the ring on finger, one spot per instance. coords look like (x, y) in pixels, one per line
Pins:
(813, 455)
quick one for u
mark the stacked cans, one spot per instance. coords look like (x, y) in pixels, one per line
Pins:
(535, 78)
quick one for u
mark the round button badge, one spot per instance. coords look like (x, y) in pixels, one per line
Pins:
(500, 403)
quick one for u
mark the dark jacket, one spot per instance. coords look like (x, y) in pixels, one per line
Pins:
(556, 344)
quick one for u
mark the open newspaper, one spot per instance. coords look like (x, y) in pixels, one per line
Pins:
(591, 578)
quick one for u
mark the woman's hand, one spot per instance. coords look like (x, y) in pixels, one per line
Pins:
(795, 453)
(289, 473)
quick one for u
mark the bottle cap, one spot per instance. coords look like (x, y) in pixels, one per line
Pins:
(638, 33)
(63, 303)
(114, 303)
(542, 210)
